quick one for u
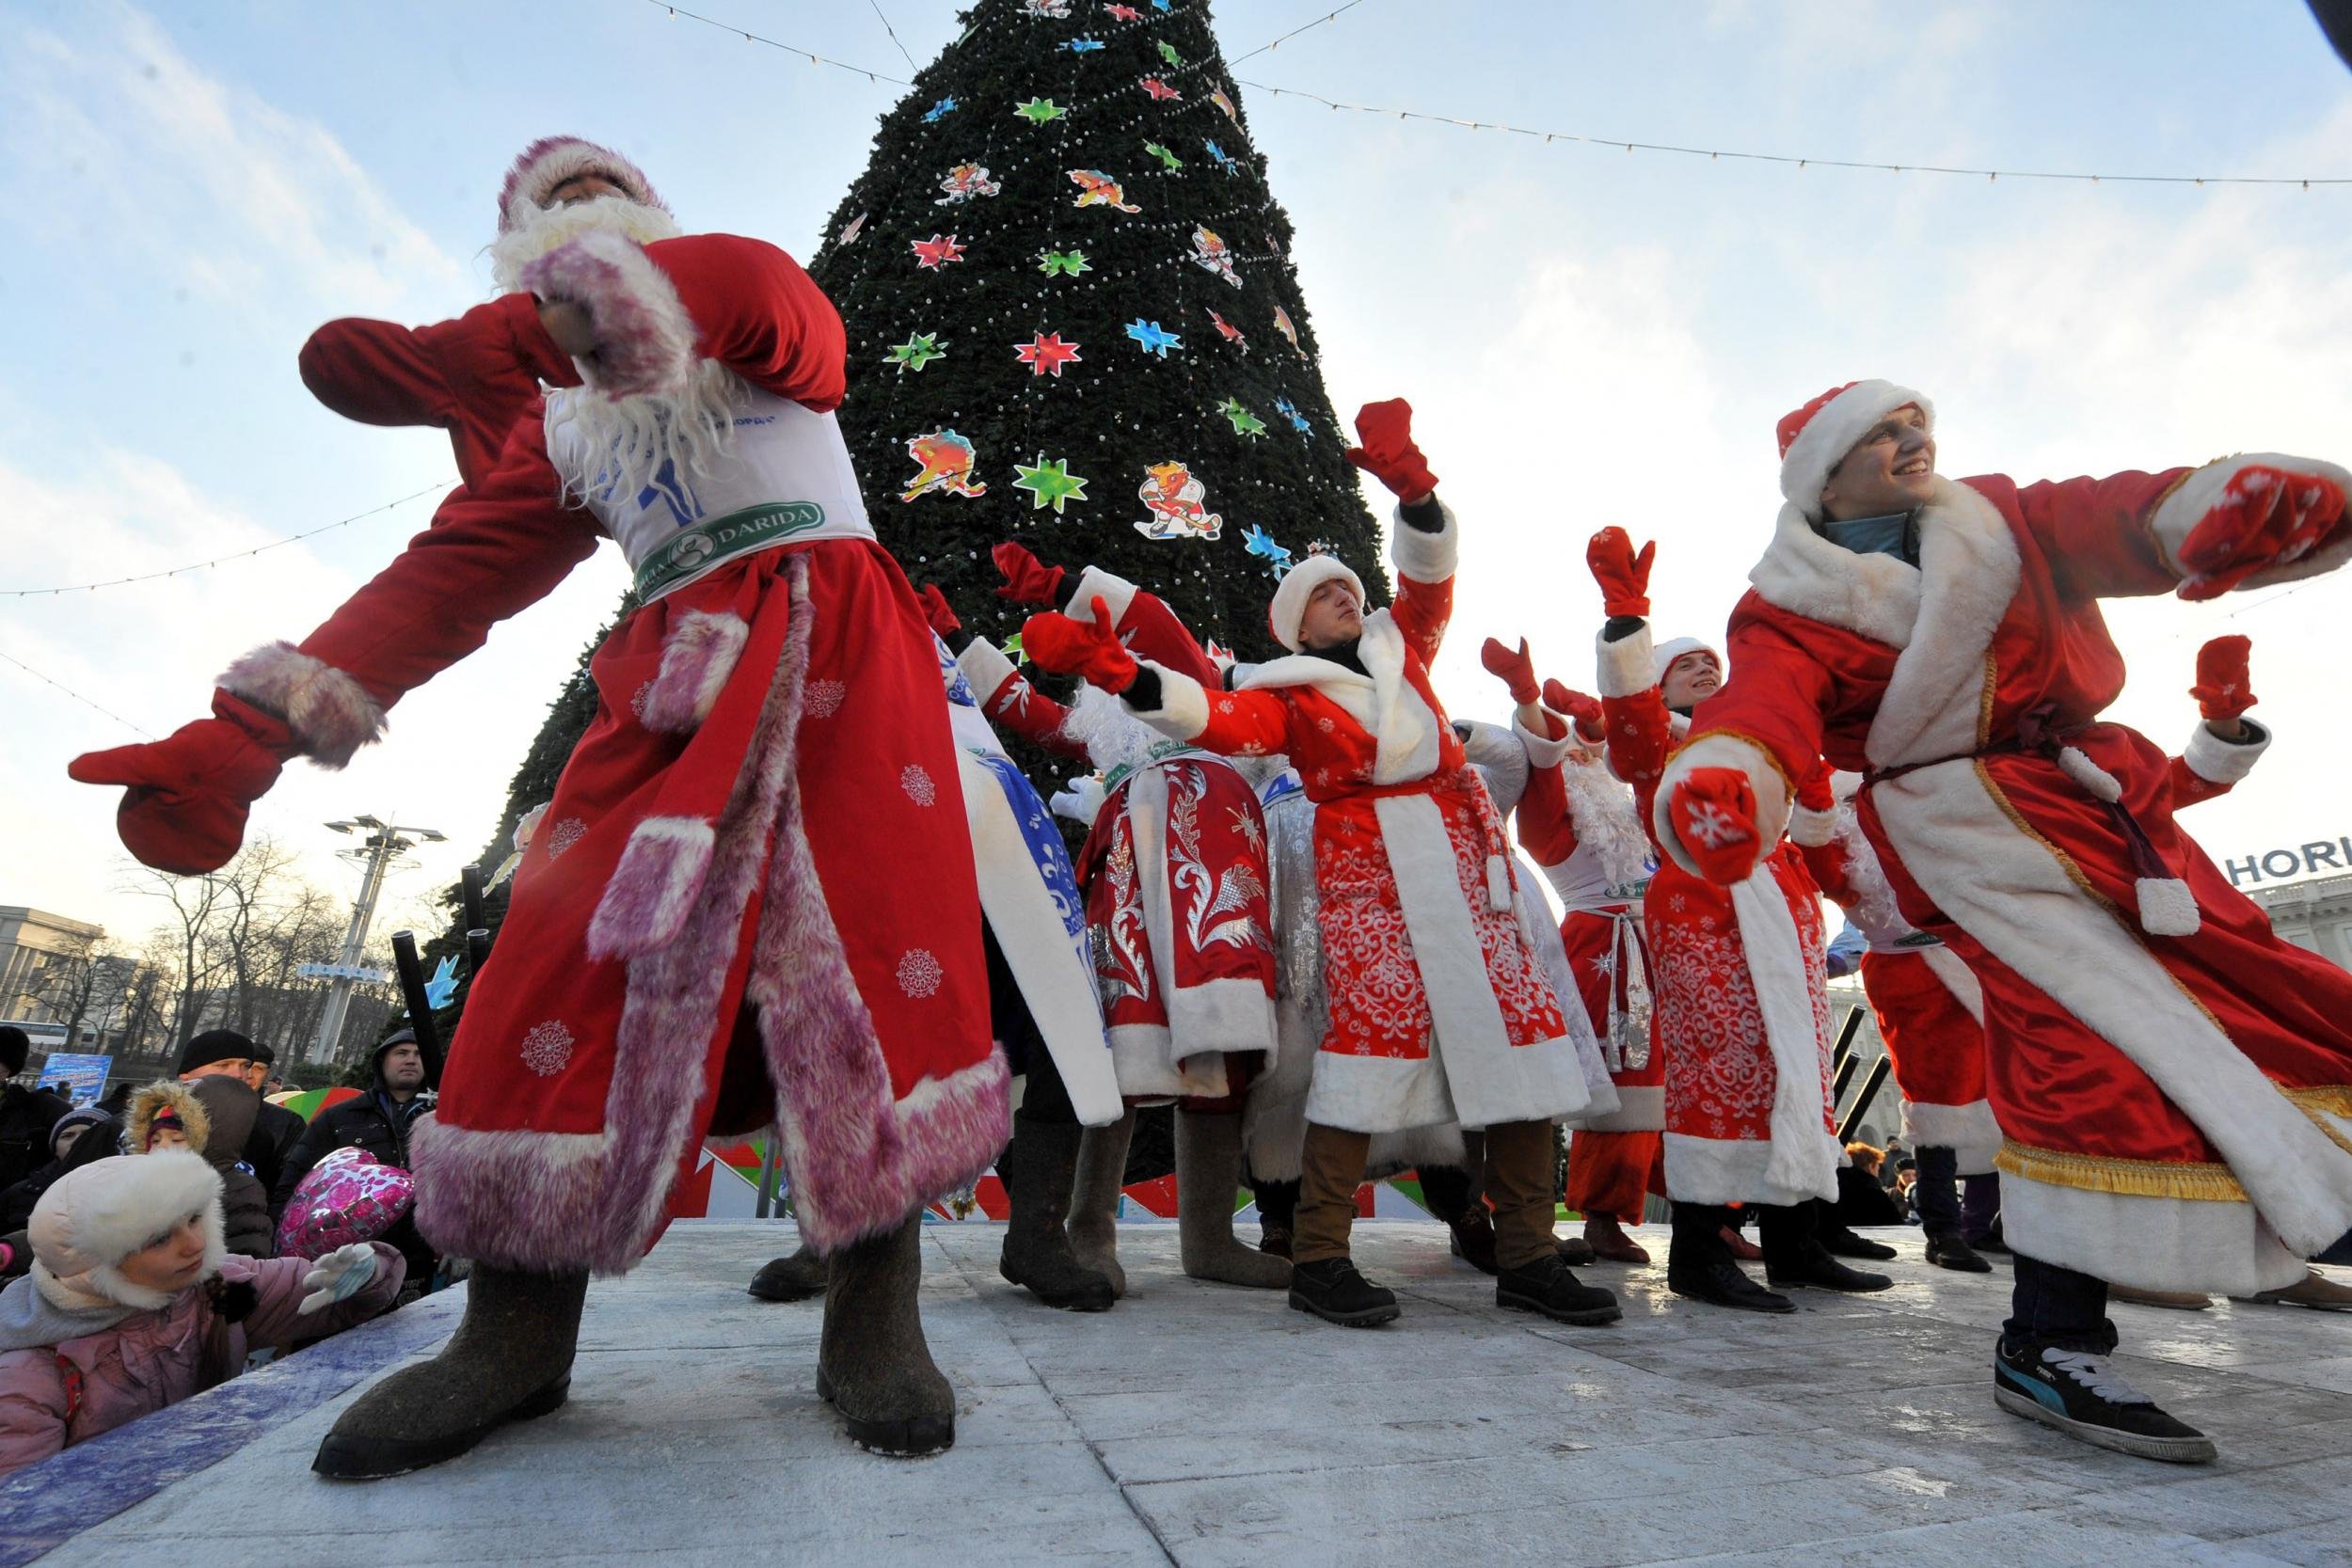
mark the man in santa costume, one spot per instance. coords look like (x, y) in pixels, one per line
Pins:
(1740, 988)
(1578, 825)
(766, 811)
(1440, 1008)
(1175, 879)
(2173, 1083)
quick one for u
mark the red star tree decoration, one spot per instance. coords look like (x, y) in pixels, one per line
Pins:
(1160, 89)
(937, 251)
(1046, 354)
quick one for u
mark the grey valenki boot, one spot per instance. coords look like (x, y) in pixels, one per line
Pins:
(1094, 1226)
(872, 1364)
(510, 1360)
(1038, 1168)
(794, 1278)
(1208, 1177)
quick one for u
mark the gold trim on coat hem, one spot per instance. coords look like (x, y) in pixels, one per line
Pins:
(2194, 1181)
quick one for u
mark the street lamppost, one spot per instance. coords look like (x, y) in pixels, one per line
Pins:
(378, 852)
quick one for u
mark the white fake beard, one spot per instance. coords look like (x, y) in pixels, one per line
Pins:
(544, 227)
(627, 440)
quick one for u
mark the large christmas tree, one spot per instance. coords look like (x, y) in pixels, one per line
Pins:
(1072, 322)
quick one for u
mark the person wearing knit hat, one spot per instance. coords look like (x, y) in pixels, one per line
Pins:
(690, 420)
(2169, 1076)
(133, 1302)
(224, 1053)
(26, 1114)
(1459, 1023)
(1734, 970)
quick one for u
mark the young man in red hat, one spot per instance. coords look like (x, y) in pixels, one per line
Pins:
(2173, 1083)
(767, 810)
(1440, 1008)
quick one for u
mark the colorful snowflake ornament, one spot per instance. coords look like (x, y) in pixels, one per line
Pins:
(1041, 111)
(1225, 160)
(936, 252)
(1168, 52)
(1050, 10)
(1160, 91)
(940, 111)
(1124, 13)
(1211, 254)
(1244, 422)
(1169, 160)
(1049, 483)
(1224, 100)
(1258, 542)
(850, 230)
(1156, 340)
(1046, 354)
(1068, 263)
(919, 350)
(1289, 410)
(1082, 46)
(1282, 325)
(964, 182)
(1097, 189)
(946, 460)
(1175, 500)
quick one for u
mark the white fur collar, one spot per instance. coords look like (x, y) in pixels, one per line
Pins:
(1403, 725)
(1802, 572)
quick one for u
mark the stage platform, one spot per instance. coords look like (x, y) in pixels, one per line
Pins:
(1199, 1425)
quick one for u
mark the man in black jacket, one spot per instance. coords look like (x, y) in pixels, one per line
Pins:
(226, 1053)
(25, 1114)
(379, 1121)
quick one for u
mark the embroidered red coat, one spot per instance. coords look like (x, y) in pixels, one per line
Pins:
(689, 862)
(2175, 1106)
(1173, 869)
(1740, 978)
(1440, 1010)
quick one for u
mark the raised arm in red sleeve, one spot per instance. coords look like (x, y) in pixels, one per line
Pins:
(757, 313)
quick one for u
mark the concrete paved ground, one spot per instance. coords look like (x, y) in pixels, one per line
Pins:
(1199, 1425)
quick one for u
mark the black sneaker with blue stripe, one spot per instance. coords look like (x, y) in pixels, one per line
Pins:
(2083, 1395)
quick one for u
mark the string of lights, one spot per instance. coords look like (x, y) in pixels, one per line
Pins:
(1718, 154)
(233, 555)
(894, 35)
(76, 695)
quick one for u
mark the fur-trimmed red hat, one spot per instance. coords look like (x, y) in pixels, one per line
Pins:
(551, 160)
(1290, 600)
(1814, 439)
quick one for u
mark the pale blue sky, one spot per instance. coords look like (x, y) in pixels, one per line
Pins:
(1590, 336)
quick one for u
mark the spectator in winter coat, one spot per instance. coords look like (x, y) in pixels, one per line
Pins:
(79, 1138)
(380, 1122)
(224, 1053)
(25, 1114)
(212, 1117)
(133, 1304)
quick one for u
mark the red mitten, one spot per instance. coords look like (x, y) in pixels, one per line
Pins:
(935, 609)
(185, 798)
(1027, 580)
(1514, 670)
(2224, 688)
(1713, 813)
(1388, 453)
(1575, 704)
(1816, 793)
(2266, 517)
(1055, 642)
(1623, 575)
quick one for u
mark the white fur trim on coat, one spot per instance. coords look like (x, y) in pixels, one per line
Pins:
(1114, 592)
(1811, 828)
(654, 887)
(1804, 1155)
(2167, 907)
(1723, 751)
(1184, 710)
(2013, 895)
(2196, 495)
(2151, 1243)
(2224, 762)
(1542, 750)
(329, 713)
(1641, 1108)
(1728, 1170)
(1625, 664)
(1968, 1131)
(1406, 729)
(698, 655)
(644, 339)
(985, 666)
(1833, 431)
(1425, 557)
(1662, 656)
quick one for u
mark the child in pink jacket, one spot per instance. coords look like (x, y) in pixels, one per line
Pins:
(133, 1303)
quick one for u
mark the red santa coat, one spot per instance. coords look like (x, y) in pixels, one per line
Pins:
(1440, 1008)
(2174, 1107)
(689, 862)
(1740, 980)
(1173, 869)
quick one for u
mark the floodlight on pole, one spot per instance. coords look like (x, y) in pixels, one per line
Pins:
(380, 852)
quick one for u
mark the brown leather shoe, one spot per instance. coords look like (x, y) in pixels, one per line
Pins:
(1610, 1243)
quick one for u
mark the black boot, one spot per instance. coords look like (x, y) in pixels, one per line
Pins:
(1449, 1194)
(795, 1278)
(510, 1360)
(1699, 1264)
(1545, 1286)
(1332, 1290)
(1946, 1250)
(1840, 1242)
(872, 1363)
(1038, 1168)
(1278, 1205)
(1793, 1255)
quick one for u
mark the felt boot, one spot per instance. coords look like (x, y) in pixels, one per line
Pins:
(872, 1364)
(1278, 1206)
(1699, 1264)
(1094, 1227)
(1038, 1168)
(1793, 1254)
(1208, 1174)
(510, 1360)
(795, 1278)
(1610, 1243)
